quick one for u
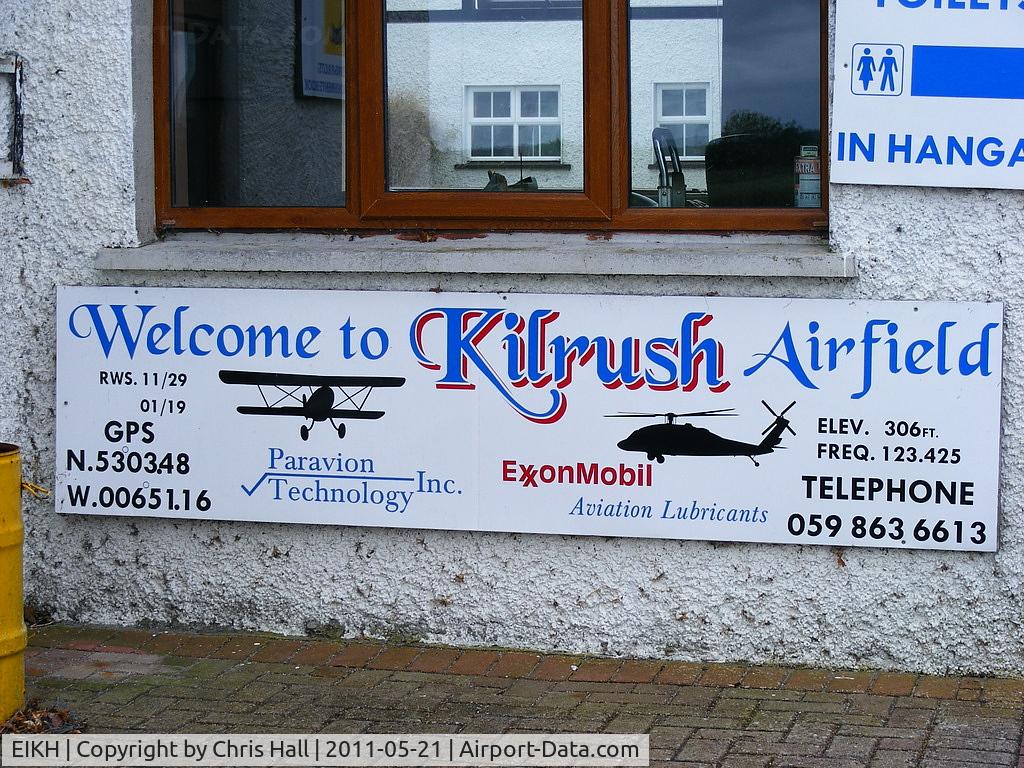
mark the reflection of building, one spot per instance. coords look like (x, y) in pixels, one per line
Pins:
(676, 82)
(447, 69)
(491, 86)
(500, 93)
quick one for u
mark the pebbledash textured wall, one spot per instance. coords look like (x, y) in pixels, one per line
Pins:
(87, 148)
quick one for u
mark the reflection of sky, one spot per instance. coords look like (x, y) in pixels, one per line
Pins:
(771, 59)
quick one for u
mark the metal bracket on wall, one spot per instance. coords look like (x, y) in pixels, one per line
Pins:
(12, 167)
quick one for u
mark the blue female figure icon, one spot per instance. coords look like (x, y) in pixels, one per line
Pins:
(866, 69)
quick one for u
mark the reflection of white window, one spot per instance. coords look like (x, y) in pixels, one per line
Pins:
(513, 123)
(683, 109)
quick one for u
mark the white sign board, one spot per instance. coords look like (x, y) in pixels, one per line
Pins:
(929, 93)
(768, 420)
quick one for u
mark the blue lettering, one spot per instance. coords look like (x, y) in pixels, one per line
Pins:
(1018, 154)
(869, 341)
(895, 148)
(929, 151)
(193, 345)
(942, 367)
(663, 361)
(866, 150)
(791, 361)
(996, 156)
(113, 327)
(465, 328)
(365, 345)
(967, 367)
(965, 152)
(275, 455)
(304, 338)
(916, 352)
(157, 333)
(222, 338)
(129, 337)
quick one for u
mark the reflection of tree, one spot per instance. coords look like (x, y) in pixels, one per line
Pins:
(749, 121)
(751, 165)
(409, 143)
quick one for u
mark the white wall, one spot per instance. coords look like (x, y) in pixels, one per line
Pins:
(931, 611)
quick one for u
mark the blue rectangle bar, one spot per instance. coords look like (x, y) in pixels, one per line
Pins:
(967, 72)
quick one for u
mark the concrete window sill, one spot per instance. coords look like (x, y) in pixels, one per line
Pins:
(490, 253)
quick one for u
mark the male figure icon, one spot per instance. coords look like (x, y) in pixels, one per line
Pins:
(889, 68)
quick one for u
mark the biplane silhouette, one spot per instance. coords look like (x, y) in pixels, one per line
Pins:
(316, 396)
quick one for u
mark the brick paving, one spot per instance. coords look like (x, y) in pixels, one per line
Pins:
(699, 716)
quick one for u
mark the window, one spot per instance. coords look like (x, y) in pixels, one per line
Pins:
(257, 117)
(683, 110)
(520, 123)
(453, 119)
(388, 114)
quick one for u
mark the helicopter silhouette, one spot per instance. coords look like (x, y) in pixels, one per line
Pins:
(671, 439)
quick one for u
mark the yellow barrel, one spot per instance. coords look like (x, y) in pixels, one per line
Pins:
(13, 636)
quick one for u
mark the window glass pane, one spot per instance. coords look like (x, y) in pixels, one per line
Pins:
(481, 141)
(678, 133)
(258, 103)
(551, 141)
(502, 104)
(672, 102)
(482, 104)
(529, 104)
(696, 102)
(738, 85)
(503, 141)
(442, 54)
(696, 140)
(529, 140)
(549, 103)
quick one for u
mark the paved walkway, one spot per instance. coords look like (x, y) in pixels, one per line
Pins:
(732, 716)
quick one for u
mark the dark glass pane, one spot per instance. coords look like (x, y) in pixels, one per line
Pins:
(529, 104)
(672, 102)
(258, 103)
(549, 103)
(503, 141)
(696, 140)
(481, 137)
(696, 102)
(679, 134)
(482, 104)
(502, 104)
(738, 83)
(551, 141)
(529, 140)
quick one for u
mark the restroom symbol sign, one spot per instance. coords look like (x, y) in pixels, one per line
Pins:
(877, 69)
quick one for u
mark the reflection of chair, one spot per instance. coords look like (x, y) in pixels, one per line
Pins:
(671, 183)
(749, 170)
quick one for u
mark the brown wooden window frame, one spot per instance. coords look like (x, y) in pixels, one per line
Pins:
(603, 205)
